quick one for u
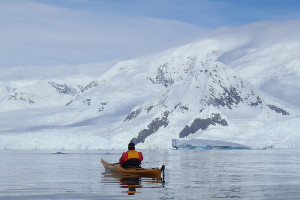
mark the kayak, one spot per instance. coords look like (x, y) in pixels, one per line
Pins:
(142, 172)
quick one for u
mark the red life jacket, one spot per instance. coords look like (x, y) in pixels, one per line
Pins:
(131, 154)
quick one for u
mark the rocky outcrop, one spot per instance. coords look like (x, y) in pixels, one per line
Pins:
(103, 105)
(278, 110)
(63, 88)
(91, 85)
(162, 78)
(152, 128)
(133, 114)
(15, 95)
(202, 124)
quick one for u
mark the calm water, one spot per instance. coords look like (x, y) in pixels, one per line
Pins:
(190, 174)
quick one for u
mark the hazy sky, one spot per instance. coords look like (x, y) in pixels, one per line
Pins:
(53, 32)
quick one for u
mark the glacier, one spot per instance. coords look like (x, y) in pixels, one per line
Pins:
(237, 90)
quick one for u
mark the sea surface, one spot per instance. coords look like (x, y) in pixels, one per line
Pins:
(189, 174)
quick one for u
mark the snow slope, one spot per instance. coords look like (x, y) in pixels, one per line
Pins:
(221, 88)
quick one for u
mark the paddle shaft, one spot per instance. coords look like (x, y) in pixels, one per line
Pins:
(163, 172)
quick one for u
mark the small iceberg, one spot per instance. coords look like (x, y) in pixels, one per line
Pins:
(59, 153)
(206, 144)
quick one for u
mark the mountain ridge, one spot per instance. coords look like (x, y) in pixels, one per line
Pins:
(185, 92)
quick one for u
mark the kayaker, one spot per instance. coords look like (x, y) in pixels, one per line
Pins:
(131, 158)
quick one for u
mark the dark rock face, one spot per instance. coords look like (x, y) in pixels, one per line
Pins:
(277, 109)
(63, 88)
(103, 104)
(161, 78)
(181, 107)
(257, 102)
(229, 97)
(91, 85)
(202, 124)
(170, 71)
(87, 101)
(133, 114)
(149, 108)
(222, 94)
(152, 128)
(18, 96)
(67, 104)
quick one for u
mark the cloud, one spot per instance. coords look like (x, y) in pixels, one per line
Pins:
(34, 33)
(259, 35)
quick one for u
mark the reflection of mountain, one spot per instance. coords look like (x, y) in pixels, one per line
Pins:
(188, 92)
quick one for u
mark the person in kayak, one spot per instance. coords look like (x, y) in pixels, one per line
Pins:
(131, 158)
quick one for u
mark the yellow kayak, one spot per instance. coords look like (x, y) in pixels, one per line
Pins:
(142, 172)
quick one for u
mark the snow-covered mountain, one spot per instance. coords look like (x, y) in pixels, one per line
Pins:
(219, 88)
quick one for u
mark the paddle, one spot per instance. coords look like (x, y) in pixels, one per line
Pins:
(162, 169)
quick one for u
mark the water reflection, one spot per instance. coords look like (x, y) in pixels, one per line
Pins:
(131, 182)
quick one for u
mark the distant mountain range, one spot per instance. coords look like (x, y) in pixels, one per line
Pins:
(244, 94)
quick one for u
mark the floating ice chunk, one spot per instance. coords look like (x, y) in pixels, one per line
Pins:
(206, 144)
